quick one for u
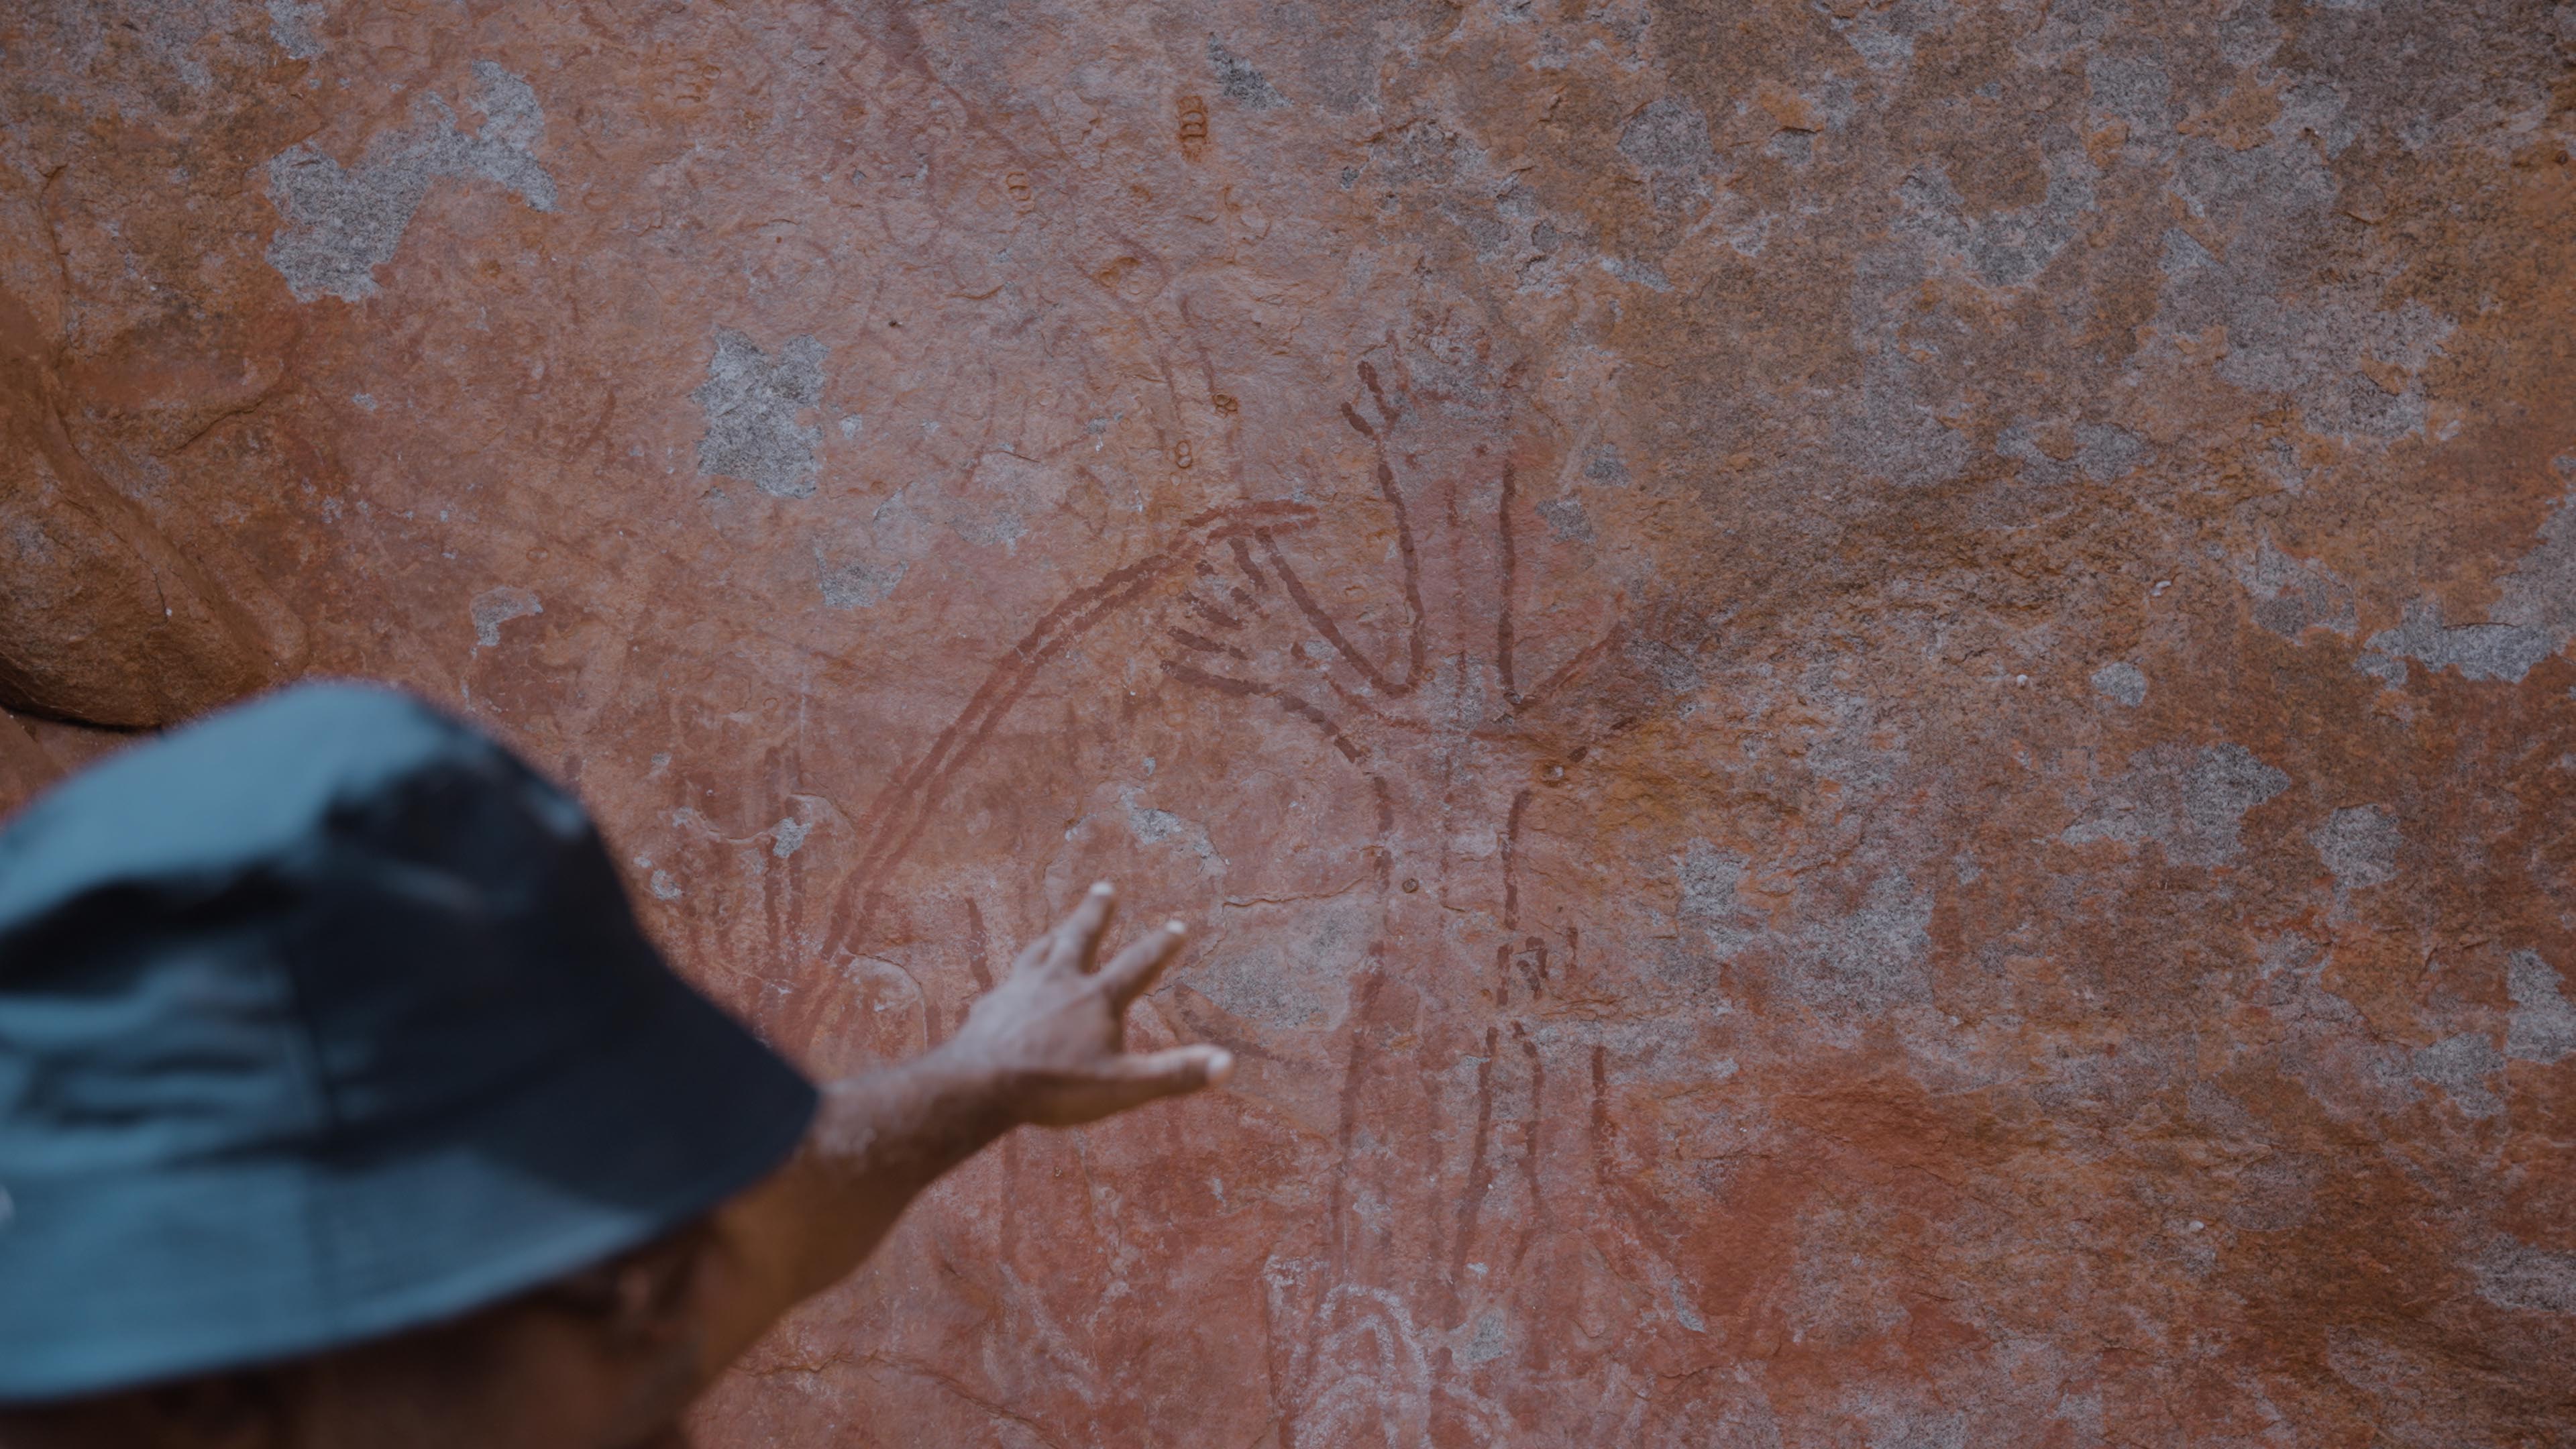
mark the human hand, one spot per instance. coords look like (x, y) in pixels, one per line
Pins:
(1052, 1038)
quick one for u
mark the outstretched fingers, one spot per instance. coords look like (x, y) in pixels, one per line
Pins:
(1075, 942)
(1133, 971)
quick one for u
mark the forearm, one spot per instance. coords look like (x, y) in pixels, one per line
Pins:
(1045, 1047)
(877, 1140)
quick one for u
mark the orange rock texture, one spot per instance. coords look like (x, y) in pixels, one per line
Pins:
(1864, 704)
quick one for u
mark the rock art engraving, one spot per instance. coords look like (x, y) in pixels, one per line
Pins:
(1898, 773)
(904, 809)
(1241, 621)
(1193, 126)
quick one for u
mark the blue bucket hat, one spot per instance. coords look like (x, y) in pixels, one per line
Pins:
(323, 1019)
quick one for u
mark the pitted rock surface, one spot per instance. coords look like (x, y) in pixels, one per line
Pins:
(1864, 704)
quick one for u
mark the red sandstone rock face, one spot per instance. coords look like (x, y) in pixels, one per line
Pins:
(1865, 704)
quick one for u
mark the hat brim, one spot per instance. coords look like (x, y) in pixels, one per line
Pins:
(231, 1262)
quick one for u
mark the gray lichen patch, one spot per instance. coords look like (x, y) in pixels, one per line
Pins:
(1871, 955)
(1900, 429)
(1861, 940)
(2008, 248)
(2478, 651)
(496, 607)
(2191, 802)
(2533, 618)
(1670, 136)
(1604, 464)
(2352, 363)
(2540, 593)
(1565, 519)
(1710, 879)
(1151, 826)
(2544, 1024)
(1896, 433)
(1884, 37)
(858, 583)
(2514, 1274)
(2292, 596)
(290, 24)
(1287, 969)
(344, 223)
(2101, 452)
(2359, 845)
(2136, 92)
(2460, 1065)
(2122, 683)
(751, 402)
(1237, 81)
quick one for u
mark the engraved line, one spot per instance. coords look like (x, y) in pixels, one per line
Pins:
(1480, 1178)
(1242, 550)
(901, 810)
(1288, 703)
(1205, 645)
(1511, 567)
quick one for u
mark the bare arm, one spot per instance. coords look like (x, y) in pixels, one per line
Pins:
(1046, 1047)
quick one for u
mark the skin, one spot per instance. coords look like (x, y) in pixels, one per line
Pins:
(611, 1358)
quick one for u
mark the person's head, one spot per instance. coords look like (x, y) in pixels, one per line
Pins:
(342, 1101)
(605, 1358)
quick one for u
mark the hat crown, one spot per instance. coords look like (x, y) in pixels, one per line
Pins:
(294, 925)
(326, 1018)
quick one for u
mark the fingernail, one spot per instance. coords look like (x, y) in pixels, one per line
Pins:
(1176, 927)
(1220, 1065)
(1101, 888)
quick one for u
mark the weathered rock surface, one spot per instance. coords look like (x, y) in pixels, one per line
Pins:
(103, 619)
(26, 766)
(1866, 704)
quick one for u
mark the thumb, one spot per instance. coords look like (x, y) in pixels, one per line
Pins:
(1124, 1082)
(1148, 1075)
